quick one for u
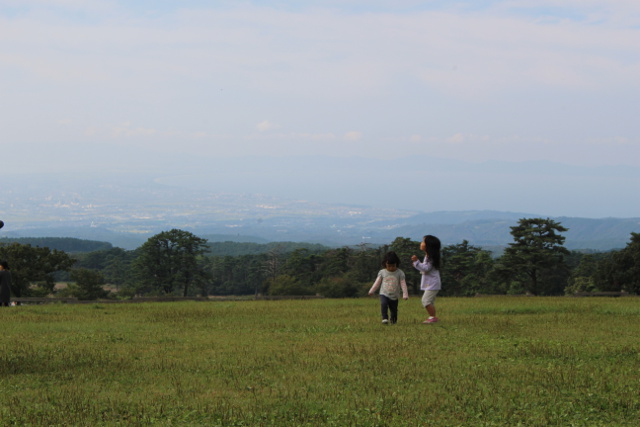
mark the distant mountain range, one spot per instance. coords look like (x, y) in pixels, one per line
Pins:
(125, 211)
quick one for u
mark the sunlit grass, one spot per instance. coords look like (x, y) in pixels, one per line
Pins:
(490, 361)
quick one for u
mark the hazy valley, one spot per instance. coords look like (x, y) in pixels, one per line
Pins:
(126, 210)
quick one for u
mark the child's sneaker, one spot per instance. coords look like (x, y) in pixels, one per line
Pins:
(431, 320)
(385, 321)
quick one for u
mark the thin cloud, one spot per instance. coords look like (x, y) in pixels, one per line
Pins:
(266, 125)
(456, 139)
(127, 130)
(353, 136)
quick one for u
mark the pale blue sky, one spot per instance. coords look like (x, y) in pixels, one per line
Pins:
(89, 82)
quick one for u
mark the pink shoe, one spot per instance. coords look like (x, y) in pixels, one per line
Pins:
(431, 320)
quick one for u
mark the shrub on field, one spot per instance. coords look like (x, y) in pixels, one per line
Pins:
(580, 284)
(89, 285)
(341, 287)
(284, 284)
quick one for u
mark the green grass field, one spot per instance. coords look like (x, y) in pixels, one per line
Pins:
(490, 361)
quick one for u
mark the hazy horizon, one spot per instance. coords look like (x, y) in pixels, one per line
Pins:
(545, 189)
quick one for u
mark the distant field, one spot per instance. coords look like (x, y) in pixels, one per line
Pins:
(490, 361)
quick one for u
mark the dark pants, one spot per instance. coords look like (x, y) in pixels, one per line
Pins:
(388, 304)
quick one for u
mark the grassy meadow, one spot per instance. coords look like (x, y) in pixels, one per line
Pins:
(490, 361)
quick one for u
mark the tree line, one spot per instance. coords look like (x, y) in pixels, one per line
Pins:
(177, 262)
(66, 244)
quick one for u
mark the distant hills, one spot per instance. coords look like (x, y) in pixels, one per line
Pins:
(491, 230)
(125, 211)
(584, 233)
(66, 244)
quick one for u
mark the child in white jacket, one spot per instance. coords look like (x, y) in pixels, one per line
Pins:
(390, 280)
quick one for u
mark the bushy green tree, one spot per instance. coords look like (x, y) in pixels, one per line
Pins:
(89, 284)
(582, 277)
(272, 265)
(302, 264)
(335, 262)
(467, 269)
(364, 262)
(113, 263)
(580, 284)
(537, 250)
(117, 267)
(222, 270)
(34, 266)
(621, 270)
(170, 262)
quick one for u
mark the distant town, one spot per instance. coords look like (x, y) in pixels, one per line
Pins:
(126, 213)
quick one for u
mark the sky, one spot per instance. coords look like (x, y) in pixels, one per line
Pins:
(465, 89)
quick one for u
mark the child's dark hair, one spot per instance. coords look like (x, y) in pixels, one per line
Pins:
(432, 248)
(391, 258)
(4, 264)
